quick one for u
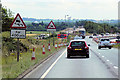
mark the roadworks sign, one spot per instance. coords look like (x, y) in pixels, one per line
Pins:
(18, 34)
(51, 26)
(18, 22)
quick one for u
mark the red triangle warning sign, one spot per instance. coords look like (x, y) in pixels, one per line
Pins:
(18, 22)
(51, 25)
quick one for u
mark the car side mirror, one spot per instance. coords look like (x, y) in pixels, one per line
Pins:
(88, 44)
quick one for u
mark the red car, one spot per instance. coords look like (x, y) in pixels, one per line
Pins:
(78, 48)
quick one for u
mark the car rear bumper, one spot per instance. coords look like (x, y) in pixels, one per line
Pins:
(78, 53)
(106, 46)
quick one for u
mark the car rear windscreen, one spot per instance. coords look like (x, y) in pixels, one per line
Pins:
(104, 39)
(78, 43)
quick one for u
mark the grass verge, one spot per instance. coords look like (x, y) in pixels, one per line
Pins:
(117, 46)
(12, 69)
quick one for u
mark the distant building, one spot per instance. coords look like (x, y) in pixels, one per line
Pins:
(36, 22)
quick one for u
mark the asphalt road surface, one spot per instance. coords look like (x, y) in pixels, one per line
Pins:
(58, 66)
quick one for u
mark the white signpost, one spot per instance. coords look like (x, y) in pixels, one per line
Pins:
(18, 33)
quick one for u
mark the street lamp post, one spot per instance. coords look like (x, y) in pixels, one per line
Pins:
(65, 24)
(68, 23)
(65, 18)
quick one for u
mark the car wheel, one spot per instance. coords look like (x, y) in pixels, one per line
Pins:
(109, 47)
(99, 47)
(87, 56)
(68, 56)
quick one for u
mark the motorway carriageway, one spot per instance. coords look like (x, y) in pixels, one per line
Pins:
(58, 66)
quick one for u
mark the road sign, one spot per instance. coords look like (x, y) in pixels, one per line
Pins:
(63, 36)
(18, 22)
(51, 26)
(18, 33)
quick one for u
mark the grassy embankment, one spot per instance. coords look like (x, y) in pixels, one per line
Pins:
(117, 46)
(11, 68)
(0, 56)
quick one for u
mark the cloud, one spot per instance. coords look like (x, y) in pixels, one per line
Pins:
(59, 8)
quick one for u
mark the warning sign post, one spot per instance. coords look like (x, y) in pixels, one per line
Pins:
(18, 31)
(18, 34)
(18, 22)
(51, 28)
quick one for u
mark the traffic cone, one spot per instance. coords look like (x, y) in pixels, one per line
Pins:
(64, 44)
(43, 49)
(49, 46)
(59, 45)
(33, 55)
(56, 46)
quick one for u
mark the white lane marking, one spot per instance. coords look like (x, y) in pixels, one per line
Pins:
(98, 53)
(103, 56)
(115, 67)
(43, 76)
(110, 63)
(108, 60)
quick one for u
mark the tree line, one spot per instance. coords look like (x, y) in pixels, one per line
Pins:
(91, 27)
(7, 18)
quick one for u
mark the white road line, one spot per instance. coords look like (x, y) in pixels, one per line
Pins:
(110, 63)
(43, 76)
(115, 67)
(108, 60)
(103, 56)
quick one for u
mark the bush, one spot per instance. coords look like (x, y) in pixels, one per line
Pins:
(10, 45)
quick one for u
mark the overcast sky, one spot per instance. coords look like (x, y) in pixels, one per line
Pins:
(57, 9)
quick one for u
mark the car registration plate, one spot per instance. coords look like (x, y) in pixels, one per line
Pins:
(78, 49)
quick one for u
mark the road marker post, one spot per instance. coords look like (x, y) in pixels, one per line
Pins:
(33, 55)
(43, 50)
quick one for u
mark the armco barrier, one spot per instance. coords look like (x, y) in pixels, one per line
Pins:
(96, 40)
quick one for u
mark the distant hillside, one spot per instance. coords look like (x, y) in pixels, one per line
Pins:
(30, 20)
(91, 26)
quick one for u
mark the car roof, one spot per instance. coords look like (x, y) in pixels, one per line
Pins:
(104, 38)
(78, 40)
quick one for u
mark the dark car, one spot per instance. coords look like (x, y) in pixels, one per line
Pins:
(90, 36)
(102, 34)
(77, 48)
(94, 34)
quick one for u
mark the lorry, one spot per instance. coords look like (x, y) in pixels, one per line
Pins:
(82, 32)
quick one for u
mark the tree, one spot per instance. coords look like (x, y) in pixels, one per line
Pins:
(7, 19)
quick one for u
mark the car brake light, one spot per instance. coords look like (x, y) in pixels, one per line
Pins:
(86, 47)
(69, 47)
